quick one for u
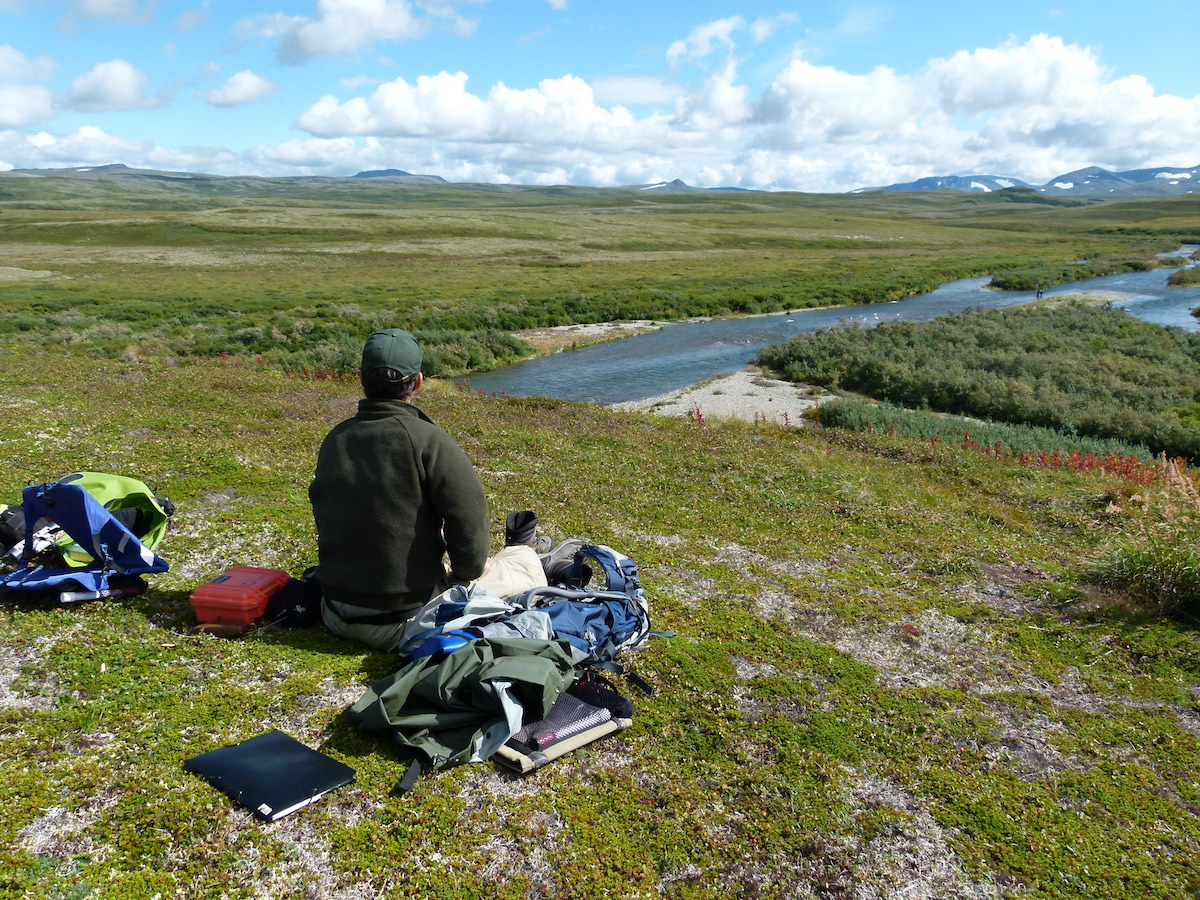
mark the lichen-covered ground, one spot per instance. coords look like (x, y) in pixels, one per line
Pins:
(888, 678)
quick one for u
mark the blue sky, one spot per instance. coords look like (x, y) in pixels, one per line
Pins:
(813, 96)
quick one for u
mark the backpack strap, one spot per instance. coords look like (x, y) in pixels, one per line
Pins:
(638, 681)
(411, 774)
(527, 598)
(620, 571)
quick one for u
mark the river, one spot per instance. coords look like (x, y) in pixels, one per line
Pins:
(682, 354)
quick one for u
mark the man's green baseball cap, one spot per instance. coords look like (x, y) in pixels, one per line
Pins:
(392, 348)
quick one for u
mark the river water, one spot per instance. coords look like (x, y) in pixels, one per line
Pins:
(679, 355)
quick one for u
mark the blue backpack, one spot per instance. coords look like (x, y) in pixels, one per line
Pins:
(582, 627)
(99, 546)
(598, 622)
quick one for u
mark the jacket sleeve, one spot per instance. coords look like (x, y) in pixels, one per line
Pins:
(458, 496)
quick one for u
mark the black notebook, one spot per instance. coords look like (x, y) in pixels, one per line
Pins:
(272, 774)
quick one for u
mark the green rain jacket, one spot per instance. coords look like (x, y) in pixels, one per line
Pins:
(463, 706)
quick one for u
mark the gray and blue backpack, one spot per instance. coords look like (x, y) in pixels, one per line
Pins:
(598, 622)
(571, 628)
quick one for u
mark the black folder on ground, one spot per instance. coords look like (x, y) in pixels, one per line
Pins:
(272, 774)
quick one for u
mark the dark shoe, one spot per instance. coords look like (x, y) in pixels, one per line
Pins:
(569, 574)
(559, 565)
(602, 696)
(520, 528)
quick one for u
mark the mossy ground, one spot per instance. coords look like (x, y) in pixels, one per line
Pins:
(888, 677)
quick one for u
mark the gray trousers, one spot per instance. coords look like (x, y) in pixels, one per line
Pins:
(511, 571)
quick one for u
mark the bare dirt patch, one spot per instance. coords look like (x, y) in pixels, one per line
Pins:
(60, 833)
(1024, 742)
(1002, 586)
(12, 273)
(13, 660)
(551, 340)
(517, 838)
(747, 395)
(306, 870)
(909, 855)
(931, 650)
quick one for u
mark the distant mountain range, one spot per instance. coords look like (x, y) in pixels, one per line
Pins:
(397, 173)
(1083, 184)
(677, 187)
(1092, 182)
(122, 170)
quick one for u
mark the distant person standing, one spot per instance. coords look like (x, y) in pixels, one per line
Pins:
(392, 495)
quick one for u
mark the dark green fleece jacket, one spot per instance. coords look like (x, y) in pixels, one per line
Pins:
(391, 492)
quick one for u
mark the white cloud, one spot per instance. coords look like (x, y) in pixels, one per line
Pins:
(88, 146)
(808, 105)
(645, 90)
(437, 105)
(1052, 105)
(22, 106)
(191, 19)
(765, 26)
(720, 103)
(534, 36)
(312, 154)
(1119, 124)
(494, 164)
(244, 87)
(344, 26)
(1046, 107)
(705, 40)
(17, 68)
(557, 4)
(357, 81)
(215, 160)
(558, 112)
(1041, 70)
(860, 22)
(859, 25)
(110, 86)
(128, 11)
(1031, 109)
(98, 9)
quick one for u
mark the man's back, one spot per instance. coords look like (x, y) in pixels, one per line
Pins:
(391, 492)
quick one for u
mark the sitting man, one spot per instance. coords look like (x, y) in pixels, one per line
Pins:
(392, 493)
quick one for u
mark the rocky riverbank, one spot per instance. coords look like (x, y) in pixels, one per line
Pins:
(747, 395)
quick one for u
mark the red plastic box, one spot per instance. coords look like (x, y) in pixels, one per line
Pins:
(238, 597)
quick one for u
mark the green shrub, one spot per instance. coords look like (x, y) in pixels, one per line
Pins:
(885, 418)
(1183, 277)
(1158, 560)
(1161, 569)
(1080, 370)
(1032, 278)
